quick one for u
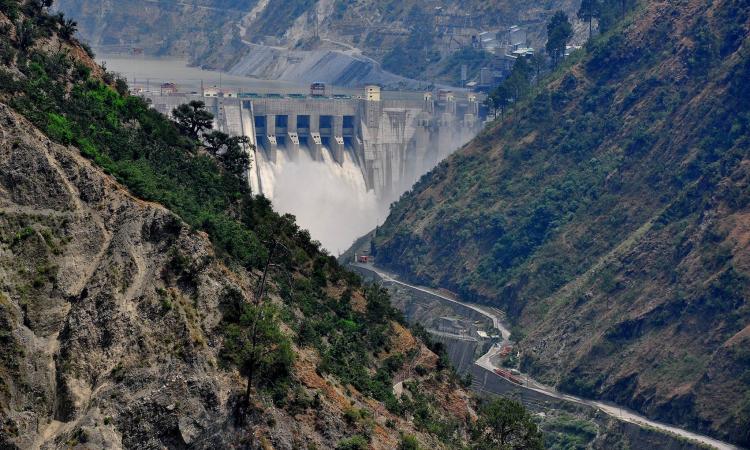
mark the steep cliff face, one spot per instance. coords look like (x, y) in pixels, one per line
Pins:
(111, 342)
(418, 39)
(608, 214)
(86, 277)
(117, 316)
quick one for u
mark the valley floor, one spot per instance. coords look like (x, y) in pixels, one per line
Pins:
(488, 362)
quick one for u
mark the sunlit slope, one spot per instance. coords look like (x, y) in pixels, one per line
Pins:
(609, 215)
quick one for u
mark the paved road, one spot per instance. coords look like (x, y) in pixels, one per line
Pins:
(485, 361)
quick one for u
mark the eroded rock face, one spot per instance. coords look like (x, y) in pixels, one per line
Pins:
(108, 343)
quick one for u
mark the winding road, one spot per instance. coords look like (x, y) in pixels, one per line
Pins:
(611, 409)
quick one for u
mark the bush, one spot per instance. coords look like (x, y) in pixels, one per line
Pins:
(408, 442)
(356, 442)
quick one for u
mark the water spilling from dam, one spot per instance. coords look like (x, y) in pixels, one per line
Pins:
(331, 200)
(335, 160)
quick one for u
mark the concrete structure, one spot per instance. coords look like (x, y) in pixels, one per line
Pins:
(372, 93)
(392, 141)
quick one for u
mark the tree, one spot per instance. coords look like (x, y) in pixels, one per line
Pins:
(229, 151)
(9, 8)
(610, 11)
(68, 28)
(517, 82)
(26, 34)
(539, 63)
(589, 10)
(193, 118)
(255, 344)
(235, 161)
(505, 425)
(500, 99)
(559, 32)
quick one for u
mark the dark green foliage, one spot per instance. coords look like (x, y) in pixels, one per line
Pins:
(68, 27)
(26, 34)
(568, 433)
(192, 118)
(254, 343)
(513, 88)
(408, 442)
(595, 199)
(353, 338)
(10, 8)
(356, 442)
(505, 424)
(559, 32)
(229, 151)
(425, 411)
(588, 11)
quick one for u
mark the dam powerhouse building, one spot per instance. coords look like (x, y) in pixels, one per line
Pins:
(392, 140)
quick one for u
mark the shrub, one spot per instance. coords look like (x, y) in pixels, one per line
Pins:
(356, 442)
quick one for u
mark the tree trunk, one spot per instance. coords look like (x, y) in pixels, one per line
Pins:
(249, 387)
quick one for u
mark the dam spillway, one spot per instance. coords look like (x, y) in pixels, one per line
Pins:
(337, 162)
(391, 141)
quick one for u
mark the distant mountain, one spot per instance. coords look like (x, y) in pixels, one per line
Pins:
(609, 213)
(419, 39)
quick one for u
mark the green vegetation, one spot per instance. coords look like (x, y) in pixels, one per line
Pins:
(411, 54)
(254, 343)
(588, 11)
(559, 32)
(408, 442)
(181, 166)
(590, 201)
(505, 424)
(566, 432)
(353, 443)
(163, 161)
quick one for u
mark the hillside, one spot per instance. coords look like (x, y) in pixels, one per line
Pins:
(407, 38)
(608, 213)
(149, 300)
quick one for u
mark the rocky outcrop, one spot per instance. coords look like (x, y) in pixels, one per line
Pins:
(330, 66)
(115, 345)
(110, 315)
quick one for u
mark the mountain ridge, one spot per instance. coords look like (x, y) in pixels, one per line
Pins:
(623, 177)
(402, 37)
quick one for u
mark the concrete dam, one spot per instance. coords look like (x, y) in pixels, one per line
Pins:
(340, 157)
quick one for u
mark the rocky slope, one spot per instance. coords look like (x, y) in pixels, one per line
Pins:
(407, 37)
(608, 214)
(115, 313)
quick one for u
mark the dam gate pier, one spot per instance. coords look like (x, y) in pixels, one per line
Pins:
(391, 140)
